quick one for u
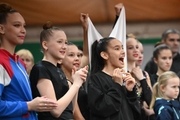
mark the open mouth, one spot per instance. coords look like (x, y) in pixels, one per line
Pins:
(121, 59)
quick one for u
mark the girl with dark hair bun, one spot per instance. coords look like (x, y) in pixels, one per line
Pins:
(111, 91)
(16, 101)
(49, 80)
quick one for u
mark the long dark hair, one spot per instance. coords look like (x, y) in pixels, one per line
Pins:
(97, 62)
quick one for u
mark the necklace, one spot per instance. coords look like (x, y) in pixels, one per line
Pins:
(69, 81)
(138, 84)
(138, 89)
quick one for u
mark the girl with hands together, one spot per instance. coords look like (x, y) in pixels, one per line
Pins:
(137, 73)
(143, 86)
(129, 82)
(123, 78)
(73, 60)
(42, 104)
(117, 76)
(80, 76)
(48, 79)
(108, 98)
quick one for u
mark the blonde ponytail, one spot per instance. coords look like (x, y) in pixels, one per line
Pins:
(154, 95)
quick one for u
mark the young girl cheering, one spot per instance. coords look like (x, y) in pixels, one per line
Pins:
(164, 93)
(108, 98)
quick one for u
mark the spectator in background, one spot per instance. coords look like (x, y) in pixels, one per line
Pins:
(141, 55)
(171, 38)
(27, 58)
(162, 56)
(139, 63)
(165, 91)
(143, 85)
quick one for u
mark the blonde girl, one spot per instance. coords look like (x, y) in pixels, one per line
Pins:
(165, 90)
(47, 79)
(27, 58)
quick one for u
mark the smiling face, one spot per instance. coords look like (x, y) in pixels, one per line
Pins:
(171, 90)
(13, 31)
(164, 60)
(72, 58)
(132, 49)
(115, 54)
(56, 45)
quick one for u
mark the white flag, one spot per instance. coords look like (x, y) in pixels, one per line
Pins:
(93, 35)
(118, 32)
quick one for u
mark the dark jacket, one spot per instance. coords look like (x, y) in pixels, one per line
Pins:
(154, 78)
(110, 101)
(167, 109)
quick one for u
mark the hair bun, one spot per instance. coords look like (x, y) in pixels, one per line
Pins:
(47, 25)
(4, 7)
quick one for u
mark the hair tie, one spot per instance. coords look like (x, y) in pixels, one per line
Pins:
(98, 40)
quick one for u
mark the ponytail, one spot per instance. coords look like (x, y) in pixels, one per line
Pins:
(162, 82)
(97, 62)
(154, 95)
(95, 59)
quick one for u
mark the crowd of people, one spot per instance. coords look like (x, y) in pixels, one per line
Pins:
(62, 87)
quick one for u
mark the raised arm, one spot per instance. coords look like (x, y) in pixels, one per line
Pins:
(84, 22)
(117, 8)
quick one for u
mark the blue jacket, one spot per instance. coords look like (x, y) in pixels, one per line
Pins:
(14, 89)
(167, 109)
